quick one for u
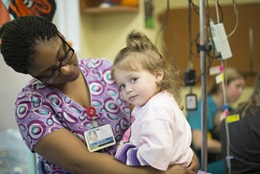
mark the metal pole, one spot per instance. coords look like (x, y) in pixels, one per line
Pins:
(204, 154)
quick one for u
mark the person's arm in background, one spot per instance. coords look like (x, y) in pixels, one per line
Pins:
(218, 119)
(213, 145)
(194, 119)
(67, 151)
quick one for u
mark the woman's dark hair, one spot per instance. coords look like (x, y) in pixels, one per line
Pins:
(18, 40)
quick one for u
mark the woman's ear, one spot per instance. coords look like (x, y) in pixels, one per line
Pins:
(158, 75)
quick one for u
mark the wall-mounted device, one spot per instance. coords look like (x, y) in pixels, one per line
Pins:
(220, 40)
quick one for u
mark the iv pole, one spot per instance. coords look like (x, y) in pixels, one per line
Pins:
(204, 154)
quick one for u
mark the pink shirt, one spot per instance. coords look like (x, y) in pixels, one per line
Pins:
(159, 136)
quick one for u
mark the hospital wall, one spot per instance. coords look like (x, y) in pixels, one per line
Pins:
(102, 35)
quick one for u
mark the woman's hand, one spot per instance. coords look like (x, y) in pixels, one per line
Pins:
(220, 115)
(177, 169)
(192, 169)
(194, 165)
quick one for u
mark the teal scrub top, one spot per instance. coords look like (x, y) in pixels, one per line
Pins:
(194, 117)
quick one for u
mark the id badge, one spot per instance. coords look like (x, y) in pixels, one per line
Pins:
(99, 138)
(191, 102)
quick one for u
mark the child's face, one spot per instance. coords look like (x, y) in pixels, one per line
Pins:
(137, 87)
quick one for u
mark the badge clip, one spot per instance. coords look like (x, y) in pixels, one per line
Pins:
(91, 112)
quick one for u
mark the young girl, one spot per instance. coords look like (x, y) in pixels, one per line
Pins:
(64, 99)
(160, 134)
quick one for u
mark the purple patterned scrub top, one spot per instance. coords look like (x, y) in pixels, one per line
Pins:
(42, 109)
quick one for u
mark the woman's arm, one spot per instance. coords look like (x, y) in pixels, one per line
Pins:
(67, 151)
(220, 115)
(213, 145)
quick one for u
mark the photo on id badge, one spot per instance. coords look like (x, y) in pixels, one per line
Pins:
(99, 138)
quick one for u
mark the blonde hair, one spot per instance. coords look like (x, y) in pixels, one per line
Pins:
(141, 53)
(230, 74)
(253, 100)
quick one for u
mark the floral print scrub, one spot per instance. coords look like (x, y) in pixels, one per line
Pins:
(41, 109)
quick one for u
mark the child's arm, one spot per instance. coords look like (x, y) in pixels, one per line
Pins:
(127, 154)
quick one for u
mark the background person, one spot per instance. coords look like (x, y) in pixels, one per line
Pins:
(65, 98)
(159, 134)
(244, 135)
(234, 87)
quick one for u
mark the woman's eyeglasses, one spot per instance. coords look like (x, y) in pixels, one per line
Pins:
(64, 61)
